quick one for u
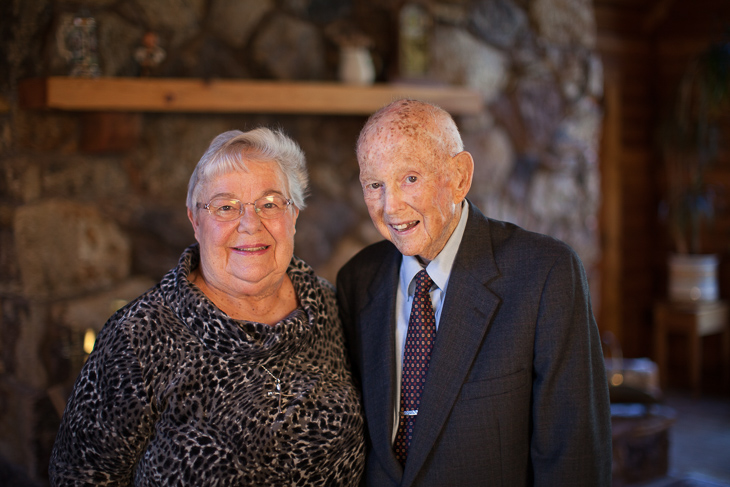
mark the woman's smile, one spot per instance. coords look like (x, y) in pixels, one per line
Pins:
(250, 249)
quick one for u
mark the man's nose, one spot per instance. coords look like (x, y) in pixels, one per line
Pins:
(393, 200)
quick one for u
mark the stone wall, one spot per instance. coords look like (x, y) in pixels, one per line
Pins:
(82, 231)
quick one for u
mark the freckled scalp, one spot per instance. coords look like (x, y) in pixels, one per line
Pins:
(427, 126)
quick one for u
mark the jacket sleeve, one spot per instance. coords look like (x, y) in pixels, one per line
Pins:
(571, 439)
(108, 418)
(345, 300)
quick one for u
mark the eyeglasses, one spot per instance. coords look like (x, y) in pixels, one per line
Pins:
(225, 209)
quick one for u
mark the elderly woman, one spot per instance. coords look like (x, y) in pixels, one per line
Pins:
(232, 370)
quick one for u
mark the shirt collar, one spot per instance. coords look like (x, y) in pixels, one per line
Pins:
(439, 269)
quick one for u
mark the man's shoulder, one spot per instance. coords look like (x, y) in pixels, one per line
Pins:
(372, 254)
(370, 259)
(506, 238)
(513, 243)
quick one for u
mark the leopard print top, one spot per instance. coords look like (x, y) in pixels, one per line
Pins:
(177, 393)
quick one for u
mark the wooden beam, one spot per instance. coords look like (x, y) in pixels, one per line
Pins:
(109, 131)
(239, 96)
(610, 314)
(614, 44)
(657, 14)
(32, 93)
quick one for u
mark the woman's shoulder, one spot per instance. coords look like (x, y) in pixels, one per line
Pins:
(143, 308)
(303, 275)
(146, 329)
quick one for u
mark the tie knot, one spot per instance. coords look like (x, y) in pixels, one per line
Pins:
(423, 282)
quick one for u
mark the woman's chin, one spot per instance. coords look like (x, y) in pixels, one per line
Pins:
(256, 284)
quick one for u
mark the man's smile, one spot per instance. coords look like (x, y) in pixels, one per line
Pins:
(402, 227)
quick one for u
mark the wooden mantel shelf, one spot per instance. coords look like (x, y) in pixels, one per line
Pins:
(232, 96)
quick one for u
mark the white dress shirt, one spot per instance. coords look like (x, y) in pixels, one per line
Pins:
(439, 270)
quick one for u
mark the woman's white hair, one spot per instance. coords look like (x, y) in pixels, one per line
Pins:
(231, 151)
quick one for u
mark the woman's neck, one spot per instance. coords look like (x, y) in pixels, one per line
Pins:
(269, 308)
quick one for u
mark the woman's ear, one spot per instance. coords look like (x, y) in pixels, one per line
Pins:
(463, 164)
(193, 221)
(294, 219)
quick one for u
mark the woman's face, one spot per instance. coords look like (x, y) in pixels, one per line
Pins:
(249, 255)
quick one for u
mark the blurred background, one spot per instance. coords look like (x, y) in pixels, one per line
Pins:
(604, 123)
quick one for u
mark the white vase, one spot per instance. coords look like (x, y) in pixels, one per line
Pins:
(356, 66)
(693, 277)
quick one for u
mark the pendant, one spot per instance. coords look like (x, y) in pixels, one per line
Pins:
(277, 388)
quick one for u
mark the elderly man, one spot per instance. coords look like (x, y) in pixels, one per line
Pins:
(474, 340)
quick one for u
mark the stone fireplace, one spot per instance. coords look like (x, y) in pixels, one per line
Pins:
(86, 226)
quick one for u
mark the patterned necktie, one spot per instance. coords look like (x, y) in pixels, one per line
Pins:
(416, 356)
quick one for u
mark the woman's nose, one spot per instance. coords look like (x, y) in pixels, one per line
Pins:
(249, 219)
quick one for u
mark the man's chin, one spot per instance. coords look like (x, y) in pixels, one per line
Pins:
(405, 248)
(406, 244)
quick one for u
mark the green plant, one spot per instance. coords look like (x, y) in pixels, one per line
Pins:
(689, 141)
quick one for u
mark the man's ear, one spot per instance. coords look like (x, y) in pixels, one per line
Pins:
(463, 164)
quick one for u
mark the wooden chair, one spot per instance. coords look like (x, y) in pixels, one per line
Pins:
(693, 321)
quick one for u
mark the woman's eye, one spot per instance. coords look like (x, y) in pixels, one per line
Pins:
(227, 210)
(411, 179)
(374, 185)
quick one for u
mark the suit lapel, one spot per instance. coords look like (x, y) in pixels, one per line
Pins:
(468, 309)
(378, 373)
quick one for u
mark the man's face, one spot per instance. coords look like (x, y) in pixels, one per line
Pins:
(411, 190)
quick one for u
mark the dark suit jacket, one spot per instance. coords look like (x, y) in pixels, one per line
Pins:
(516, 392)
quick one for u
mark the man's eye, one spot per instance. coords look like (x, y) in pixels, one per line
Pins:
(226, 209)
(411, 179)
(374, 186)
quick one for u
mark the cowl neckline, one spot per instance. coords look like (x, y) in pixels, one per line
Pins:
(241, 340)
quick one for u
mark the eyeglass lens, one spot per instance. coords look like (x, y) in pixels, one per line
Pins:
(225, 209)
